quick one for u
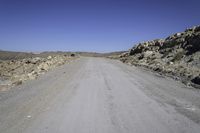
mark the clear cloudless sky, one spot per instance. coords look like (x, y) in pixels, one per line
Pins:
(91, 25)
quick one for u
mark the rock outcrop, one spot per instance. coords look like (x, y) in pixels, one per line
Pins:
(15, 72)
(177, 56)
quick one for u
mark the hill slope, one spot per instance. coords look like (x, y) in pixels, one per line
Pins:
(177, 56)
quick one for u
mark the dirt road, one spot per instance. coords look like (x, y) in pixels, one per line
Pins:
(96, 95)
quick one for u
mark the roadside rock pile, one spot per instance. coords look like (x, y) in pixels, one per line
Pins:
(177, 56)
(15, 72)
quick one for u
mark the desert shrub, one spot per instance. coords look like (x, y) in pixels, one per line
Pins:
(178, 56)
(72, 55)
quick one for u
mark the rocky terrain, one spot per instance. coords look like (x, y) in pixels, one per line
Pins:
(16, 71)
(177, 56)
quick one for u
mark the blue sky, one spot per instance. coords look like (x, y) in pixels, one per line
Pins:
(91, 25)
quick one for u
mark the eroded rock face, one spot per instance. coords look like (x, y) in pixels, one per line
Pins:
(178, 55)
(15, 72)
(193, 44)
(147, 46)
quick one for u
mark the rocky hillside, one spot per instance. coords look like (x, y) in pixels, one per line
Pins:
(177, 56)
(15, 72)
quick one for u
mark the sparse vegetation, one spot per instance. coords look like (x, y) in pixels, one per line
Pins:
(178, 56)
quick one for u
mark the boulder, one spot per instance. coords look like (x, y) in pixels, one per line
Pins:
(49, 57)
(43, 66)
(36, 60)
(196, 80)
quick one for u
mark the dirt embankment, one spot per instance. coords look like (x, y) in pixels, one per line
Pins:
(15, 72)
(177, 56)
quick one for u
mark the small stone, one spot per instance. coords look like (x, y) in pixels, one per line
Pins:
(28, 116)
(19, 82)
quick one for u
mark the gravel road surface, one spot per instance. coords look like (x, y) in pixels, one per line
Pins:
(97, 95)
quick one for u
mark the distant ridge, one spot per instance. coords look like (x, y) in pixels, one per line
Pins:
(12, 55)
